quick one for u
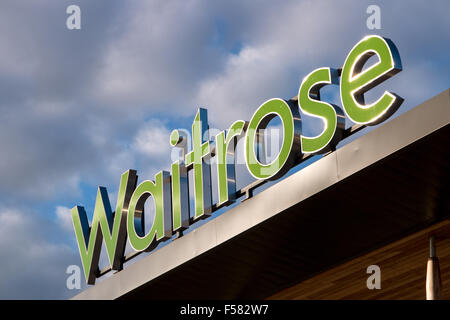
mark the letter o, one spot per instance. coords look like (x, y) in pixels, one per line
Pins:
(290, 148)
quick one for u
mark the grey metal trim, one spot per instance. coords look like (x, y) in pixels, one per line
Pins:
(347, 160)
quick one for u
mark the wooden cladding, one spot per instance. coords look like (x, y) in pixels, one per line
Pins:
(403, 267)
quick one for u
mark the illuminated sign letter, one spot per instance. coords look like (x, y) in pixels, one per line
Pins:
(202, 169)
(162, 221)
(113, 227)
(180, 185)
(332, 116)
(355, 82)
(226, 161)
(290, 148)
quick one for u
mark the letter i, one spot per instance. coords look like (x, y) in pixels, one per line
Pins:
(180, 185)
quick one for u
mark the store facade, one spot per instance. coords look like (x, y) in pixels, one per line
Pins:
(375, 201)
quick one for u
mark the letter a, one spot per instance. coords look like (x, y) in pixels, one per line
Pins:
(374, 281)
(74, 20)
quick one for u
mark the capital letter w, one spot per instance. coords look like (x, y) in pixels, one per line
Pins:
(112, 224)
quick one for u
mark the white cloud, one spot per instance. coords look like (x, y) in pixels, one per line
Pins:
(64, 218)
(161, 51)
(285, 46)
(152, 140)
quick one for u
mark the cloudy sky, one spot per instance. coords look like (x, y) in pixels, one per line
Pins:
(79, 107)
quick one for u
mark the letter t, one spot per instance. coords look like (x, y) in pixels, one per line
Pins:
(202, 170)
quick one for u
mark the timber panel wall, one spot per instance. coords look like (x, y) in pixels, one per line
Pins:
(403, 271)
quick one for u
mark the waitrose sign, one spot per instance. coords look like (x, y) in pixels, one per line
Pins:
(170, 189)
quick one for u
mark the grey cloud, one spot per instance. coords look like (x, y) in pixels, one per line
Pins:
(75, 105)
(33, 266)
